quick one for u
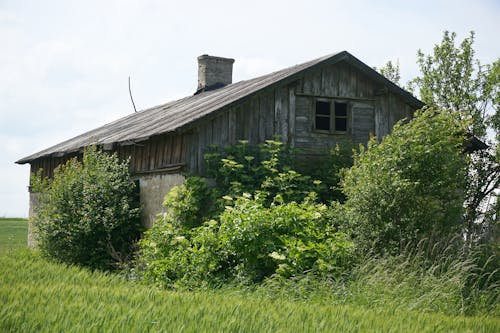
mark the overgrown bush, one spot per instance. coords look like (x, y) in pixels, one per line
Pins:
(268, 167)
(328, 169)
(247, 243)
(190, 204)
(410, 186)
(89, 211)
(262, 218)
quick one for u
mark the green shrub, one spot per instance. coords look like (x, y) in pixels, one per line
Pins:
(212, 235)
(191, 203)
(328, 169)
(268, 168)
(247, 243)
(89, 212)
(409, 186)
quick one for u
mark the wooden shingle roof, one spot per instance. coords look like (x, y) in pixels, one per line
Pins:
(175, 115)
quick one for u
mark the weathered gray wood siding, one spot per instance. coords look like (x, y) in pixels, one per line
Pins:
(372, 110)
(288, 111)
(161, 153)
(256, 119)
(285, 110)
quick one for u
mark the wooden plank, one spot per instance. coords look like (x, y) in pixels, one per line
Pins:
(159, 151)
(281, 113)
(268, 105)
(316, 83)
(183, 149)
(263, 117)
(291, 116)
(164, 150)
(232, 123)
(352, 82)
(348, 98)
(254, 120)
(344, 89)
(152, 154)
(177, 150)
(307, 84)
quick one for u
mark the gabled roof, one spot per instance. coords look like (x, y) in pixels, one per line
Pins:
(173, 116)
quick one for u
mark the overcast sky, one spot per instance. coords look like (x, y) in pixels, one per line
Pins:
(64, 64)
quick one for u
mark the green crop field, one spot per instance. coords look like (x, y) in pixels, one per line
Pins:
(13, 234)
(40, 296)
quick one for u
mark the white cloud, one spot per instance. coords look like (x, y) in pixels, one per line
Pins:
(64, 64)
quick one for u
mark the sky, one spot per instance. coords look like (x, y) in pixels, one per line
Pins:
(64, 65)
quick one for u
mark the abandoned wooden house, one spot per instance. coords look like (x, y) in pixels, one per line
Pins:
(311, 106)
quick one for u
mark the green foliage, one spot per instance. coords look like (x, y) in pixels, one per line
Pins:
(453, 79)
(409, 186)
(189, 204)
(493, 90)
(88, 213)
(220, 234)
(270, 168)
(243, 168)
(247, 243)
(327, 171)
(391, 71)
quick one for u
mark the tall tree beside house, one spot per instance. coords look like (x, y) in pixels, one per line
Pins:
(391, 71)
(453, 79)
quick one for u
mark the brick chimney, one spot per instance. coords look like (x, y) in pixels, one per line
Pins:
(214, 72)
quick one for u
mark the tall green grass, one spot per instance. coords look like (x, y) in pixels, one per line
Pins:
(41, 296)
(443, 277)
(38, 296)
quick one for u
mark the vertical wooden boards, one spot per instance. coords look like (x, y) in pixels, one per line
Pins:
(291, 116)
(352, 81)
(363, 122)
(253, 120)
(192, 150)
(267, 115)
(281, 113)
(330, 81)
(231, 127)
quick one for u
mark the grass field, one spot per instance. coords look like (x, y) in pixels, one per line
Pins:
(39, 296)
(13, 234)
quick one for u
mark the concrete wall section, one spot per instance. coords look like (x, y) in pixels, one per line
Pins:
(152, 191)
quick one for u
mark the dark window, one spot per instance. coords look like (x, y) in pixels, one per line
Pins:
(331, 116)
(323, 115)
(340, 117)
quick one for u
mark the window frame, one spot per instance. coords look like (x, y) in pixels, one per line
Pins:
(332, 116)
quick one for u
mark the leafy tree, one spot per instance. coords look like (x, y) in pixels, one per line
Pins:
(410, 185)
(493, 89)
(453, 79)
(391, 71)
(88, 212)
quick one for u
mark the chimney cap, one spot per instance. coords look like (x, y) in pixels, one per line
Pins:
(206, 56)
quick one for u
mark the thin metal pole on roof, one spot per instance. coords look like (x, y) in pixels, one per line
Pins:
(130, 93)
